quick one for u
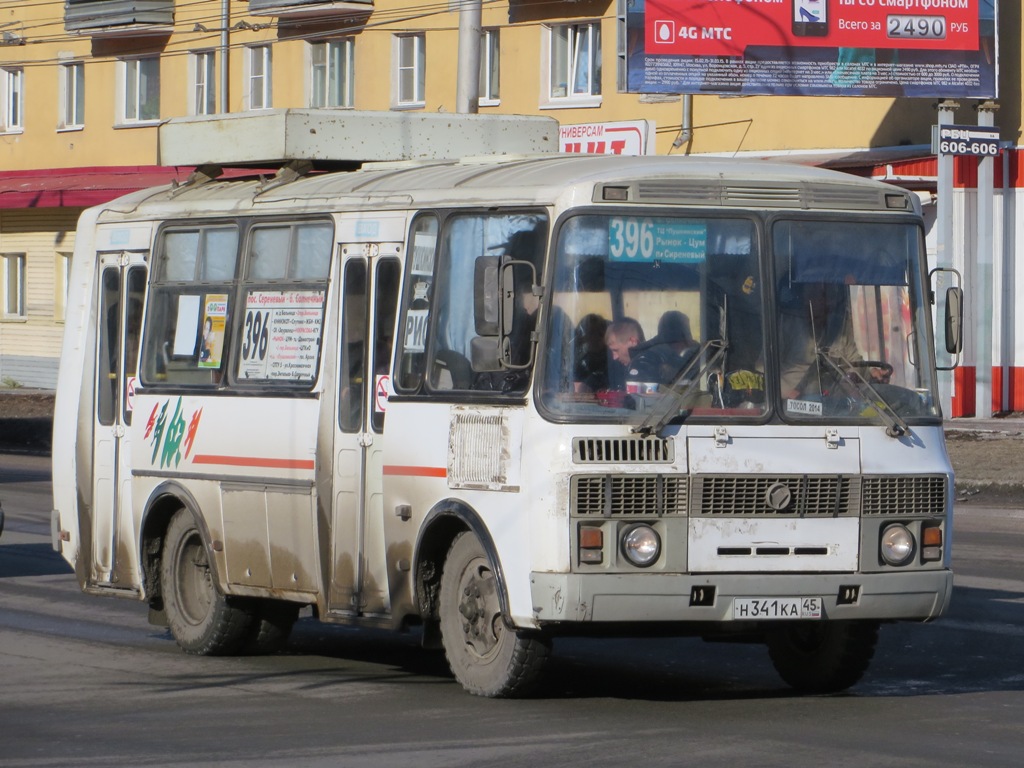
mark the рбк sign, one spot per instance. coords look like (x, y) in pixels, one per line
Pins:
(976, 140)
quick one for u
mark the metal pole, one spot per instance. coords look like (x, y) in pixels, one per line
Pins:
(225, 47)
(983, 297)
(467, 90)
(944, 241)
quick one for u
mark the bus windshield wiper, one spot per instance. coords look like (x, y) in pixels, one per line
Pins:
(680, 388)
(895, 426)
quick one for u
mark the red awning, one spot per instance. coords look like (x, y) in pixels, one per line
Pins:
(84, 187)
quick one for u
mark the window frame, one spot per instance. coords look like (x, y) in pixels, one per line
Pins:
(61, 282)
(13, 282)
(490, 67)
(12, 107)
(131, 76)
(343, 75)
(416, 68)
(71, 104)
(202, 82)
(259, 83)
(572, 98)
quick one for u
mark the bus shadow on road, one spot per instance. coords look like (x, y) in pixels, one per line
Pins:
(30, 560)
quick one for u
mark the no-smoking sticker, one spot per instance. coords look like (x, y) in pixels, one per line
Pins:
(381, 386)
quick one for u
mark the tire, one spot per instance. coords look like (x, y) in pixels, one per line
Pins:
(487, 657)
(273, 624)
(201, 619)
(823, 657)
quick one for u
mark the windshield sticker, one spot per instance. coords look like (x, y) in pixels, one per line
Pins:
(211, 345)
(631, 238)
(804, 407)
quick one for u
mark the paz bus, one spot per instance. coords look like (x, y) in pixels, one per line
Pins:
(388, 395)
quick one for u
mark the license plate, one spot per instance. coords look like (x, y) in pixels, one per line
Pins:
(776, 608)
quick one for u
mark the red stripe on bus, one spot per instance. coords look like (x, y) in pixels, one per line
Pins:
(253, 461)
(393, 469)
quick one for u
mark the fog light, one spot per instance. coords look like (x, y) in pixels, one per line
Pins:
(897, 544)
(641, 545)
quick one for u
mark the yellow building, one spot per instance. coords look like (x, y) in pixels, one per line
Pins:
(85, 83)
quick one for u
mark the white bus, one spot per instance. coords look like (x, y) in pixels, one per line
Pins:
(511, 399)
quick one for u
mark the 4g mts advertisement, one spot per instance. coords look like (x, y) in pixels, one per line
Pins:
(925, 48)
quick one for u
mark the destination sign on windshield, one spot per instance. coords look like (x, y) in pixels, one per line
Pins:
(632, 238)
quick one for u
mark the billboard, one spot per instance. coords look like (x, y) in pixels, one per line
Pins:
(924, 48)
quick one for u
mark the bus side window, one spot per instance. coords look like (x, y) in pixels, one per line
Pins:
(416, 304)
(193, 282)
(353, 342)
(386, 305)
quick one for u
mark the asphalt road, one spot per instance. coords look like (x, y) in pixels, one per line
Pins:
(86, 681)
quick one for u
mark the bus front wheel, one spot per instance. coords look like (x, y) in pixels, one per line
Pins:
(825, 656)
(487, 657)
(200, 618)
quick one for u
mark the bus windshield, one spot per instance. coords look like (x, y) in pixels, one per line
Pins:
(645, 308)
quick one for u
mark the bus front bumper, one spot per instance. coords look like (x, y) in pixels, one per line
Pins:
(652, 597)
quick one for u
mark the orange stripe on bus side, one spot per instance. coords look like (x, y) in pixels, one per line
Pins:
(393, 469)
(253, 461)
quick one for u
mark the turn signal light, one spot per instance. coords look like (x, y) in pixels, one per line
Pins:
(931, 543)
(591, 545)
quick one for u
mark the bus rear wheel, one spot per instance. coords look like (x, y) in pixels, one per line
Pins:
(201, 619)
(487, 657)
(823, 657)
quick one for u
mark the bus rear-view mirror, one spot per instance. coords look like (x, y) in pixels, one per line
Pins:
(954, 320)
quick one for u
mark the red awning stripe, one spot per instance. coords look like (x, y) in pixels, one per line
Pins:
(84, 187)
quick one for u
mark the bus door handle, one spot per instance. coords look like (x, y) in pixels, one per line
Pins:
(365, 439)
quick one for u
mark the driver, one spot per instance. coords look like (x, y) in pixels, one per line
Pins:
(815, 316)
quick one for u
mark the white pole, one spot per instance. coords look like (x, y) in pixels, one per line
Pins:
(467, 88)
(983, 297)
(944, 244)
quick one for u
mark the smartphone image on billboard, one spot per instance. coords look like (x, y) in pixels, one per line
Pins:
(810, 18)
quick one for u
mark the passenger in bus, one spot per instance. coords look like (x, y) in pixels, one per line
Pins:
(639, 360)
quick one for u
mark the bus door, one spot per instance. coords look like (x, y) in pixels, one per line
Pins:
(122, 287)
(370, 281)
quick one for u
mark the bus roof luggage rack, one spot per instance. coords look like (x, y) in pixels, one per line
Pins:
(348, 138)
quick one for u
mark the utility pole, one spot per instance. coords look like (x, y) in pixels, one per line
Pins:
(467, 91)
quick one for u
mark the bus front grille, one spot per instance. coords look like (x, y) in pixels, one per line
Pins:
(922, 495)
(629, 495)
(622, 450)
(800, 495)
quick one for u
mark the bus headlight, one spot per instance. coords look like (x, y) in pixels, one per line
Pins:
(641, 545)
(897, 544)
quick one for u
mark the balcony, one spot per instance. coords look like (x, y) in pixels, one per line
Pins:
(119, 17)
(309, 8)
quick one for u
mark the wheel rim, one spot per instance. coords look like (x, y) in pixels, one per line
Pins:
(193, 586)
(481, 622)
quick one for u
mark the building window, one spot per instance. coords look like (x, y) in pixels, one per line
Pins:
(204, 88)
(331, 73)
(62, 278)
(72, 95)
(258, 90)
(13, 284)
(574, 63)
(489, 67)
(12, 82)
(141, 88)
(410, 69)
